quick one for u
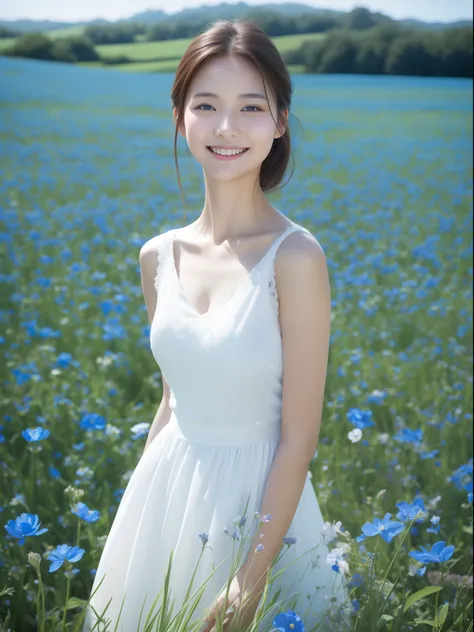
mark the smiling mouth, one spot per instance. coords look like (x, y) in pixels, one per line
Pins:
(219, 151)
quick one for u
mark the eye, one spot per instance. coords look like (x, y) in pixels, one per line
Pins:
(256, 108)
(202, 106)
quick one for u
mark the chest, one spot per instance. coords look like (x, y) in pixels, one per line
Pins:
(206, 280)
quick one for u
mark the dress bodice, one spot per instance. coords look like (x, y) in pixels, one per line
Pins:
(223, 367)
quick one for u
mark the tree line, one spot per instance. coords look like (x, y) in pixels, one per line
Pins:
(272, 22)
(367, 43)
(388, 49)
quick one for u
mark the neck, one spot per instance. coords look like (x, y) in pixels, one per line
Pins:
(233, 209)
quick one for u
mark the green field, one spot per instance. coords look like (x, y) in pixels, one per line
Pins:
(142, 51)
(163, 56)
(5, 43)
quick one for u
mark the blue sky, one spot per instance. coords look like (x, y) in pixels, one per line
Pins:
(428, 10)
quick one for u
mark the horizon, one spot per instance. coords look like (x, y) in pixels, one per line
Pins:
(113, 10)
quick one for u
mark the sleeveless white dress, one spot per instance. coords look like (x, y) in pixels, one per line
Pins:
(211, 462)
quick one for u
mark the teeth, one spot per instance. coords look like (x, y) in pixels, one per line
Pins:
(227, 152)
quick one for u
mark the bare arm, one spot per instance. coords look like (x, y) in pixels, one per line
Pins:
(305, 317)
(148, 266)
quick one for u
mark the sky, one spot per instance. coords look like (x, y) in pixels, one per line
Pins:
(58, 10)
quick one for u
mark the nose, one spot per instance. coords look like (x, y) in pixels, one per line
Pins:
(227, 126)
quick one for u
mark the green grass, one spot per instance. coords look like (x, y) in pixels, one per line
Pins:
(6, 43)
(141, 51)
(146, 51)
(165, 56)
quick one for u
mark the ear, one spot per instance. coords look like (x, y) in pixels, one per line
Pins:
(181, 129)
(283, 123)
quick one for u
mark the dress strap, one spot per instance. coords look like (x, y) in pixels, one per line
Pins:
(164, 256)
(271, 252)
(270, 261)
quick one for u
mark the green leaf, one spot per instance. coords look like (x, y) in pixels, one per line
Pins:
(421, 594)
(467, 529)
(441, 615)
(75, 602)
(424, 622)
(385, 618)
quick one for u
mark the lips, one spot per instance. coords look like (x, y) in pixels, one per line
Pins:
(240, 150)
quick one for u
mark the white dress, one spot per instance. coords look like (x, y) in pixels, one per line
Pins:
(224, 369)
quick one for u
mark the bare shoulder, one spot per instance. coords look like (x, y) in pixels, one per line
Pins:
(298, 252)
(302, 279)
(153, 245)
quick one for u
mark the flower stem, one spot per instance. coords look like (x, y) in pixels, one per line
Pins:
(78, 531)
(396, 553)
(63, 625)
(40, 605)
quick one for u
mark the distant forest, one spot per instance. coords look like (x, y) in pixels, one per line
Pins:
(357, 42)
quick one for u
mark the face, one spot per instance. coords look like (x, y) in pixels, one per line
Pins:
(226, 118)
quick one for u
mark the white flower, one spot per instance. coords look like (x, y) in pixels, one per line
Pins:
(335, 557)
(331, 531)
(355, 435)
(112, 431)
(383, 437)
(140, 429)
(434, 501)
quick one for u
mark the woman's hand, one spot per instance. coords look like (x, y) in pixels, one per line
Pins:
(243, 604)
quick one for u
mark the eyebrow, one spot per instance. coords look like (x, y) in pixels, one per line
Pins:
(247, 95)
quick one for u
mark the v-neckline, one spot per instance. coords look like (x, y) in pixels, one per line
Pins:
(239, 286)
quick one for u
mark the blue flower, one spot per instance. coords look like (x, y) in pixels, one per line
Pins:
(35, 434)
(462, 477)
(53, 472)
(288, 622)
(64, 360)
(25, 525)
(429, 455)
(83, 511)
(414, 511)
(406, 435)
(360, 418)
(140, 430)
(235, 535)
(356, 580)
(386, 528)
(241, 521)
(436, 525)
(64, 553)
(469, 498)
(439, 553)
(92, 421)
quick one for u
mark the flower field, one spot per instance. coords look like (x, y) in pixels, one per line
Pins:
(383, 179)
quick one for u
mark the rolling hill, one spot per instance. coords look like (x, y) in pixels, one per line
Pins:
(223, 10)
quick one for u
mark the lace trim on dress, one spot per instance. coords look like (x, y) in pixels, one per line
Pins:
(272, 280)
(161, 260)
(272, 287)
(158, 271)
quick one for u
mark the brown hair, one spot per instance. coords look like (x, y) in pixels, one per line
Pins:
(244, 39)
